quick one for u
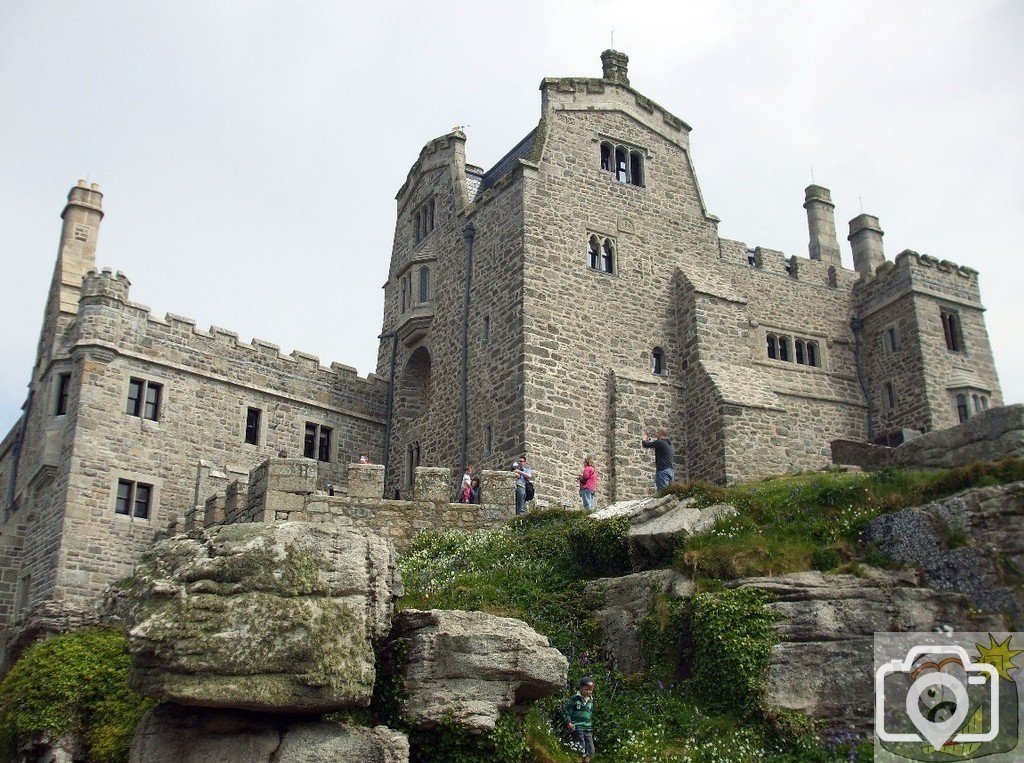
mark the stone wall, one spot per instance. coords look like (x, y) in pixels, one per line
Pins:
(284, 490)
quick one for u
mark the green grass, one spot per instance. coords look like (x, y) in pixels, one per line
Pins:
(810, 521)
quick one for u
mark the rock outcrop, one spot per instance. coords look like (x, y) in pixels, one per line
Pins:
(468, 667)
(823, 666)
(262, 616)
(971, 542)
(655, 533)
(626, 601)
(175, 734)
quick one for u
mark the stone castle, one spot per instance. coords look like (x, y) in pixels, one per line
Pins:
(559, 304)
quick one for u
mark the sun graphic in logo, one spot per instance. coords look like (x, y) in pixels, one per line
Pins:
(999, 655)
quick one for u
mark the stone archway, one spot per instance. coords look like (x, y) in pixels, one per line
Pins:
(412, 408)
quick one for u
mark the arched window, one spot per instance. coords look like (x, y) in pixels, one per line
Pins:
(783, 348)
(961, 408)
(607, 257)
(812, 353)
(658, 361)
(636, 168)
(799, 344)
(424, 284)
(594, 250)
(606, 157)
(890, 396)
(621, 165)
(951, 330)
(773, 344)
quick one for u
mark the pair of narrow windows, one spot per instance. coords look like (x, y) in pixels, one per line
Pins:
(952, 330)
(144, 399)
(963, 410)
(804, 351)
(601, 255)
(627, 165)
(317, 443)
(133, 499)
(423, 221)
(424, 288)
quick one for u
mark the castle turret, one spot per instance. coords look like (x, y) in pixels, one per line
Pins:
(76, 256)
(866, 239)
(821, 223)
(615, 66)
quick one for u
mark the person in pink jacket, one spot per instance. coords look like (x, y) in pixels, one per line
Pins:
(588, 484)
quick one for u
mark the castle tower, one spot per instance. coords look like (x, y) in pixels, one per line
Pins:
(76, 256)
(866, 239)
(821, 224)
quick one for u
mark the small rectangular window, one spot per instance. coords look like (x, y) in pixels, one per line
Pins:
(134, 499)
(63, 388)
(143, 399)
(952, 330)
(487, 329)
(490, 440)
(317, 442)
(252, 426)
(891, 340)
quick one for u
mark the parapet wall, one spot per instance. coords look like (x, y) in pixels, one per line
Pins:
(921, 273)
(284, 490)
(107, 318)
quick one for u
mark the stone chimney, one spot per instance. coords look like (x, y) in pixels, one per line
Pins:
(821, 223)
(615, 66)
(866, 239)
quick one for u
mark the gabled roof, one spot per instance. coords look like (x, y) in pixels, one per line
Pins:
(506, 163)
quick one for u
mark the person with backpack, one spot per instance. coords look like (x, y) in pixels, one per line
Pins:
(524, 484)
(578, 714)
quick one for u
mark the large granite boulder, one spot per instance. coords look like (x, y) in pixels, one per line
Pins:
(987, 436)
(262, 616)
(626, 601)
(823, 666)
(655, 533)
(971, 542)
(175, 734)
(468, 667)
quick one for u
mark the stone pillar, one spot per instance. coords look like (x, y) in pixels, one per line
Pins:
(235, 497)
(366, 480)
(214, 511)
(433, 483)
(821, 224)
(866, 239)
(280, 484)
(615, 66)
(498, 488)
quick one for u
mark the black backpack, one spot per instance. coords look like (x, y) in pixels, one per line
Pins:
(529, 490)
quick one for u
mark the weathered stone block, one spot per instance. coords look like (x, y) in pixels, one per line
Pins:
(433, 483)
(366, 480)
(262, 616)
(215, 510)
(498, 488)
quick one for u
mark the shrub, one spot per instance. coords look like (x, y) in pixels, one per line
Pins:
(824, 559)
(76, 683)
(732, 637)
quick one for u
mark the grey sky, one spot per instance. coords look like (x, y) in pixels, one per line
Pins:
(250, 152)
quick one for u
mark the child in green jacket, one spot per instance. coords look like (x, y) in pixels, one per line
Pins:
(579, 711)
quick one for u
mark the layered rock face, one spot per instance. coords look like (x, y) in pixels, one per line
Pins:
(262, 616)
(971, 542)
(823, 665)
(469, 667)
(175, 734)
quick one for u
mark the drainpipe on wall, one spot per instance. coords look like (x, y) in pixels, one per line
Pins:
(469, 233)
(857, 326)
(386, 450)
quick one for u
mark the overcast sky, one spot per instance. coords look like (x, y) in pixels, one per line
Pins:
(250, 152)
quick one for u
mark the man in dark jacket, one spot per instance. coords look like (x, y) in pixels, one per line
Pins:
(664, 455)
(579, 712)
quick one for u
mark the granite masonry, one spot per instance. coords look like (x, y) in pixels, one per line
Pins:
(560, 304)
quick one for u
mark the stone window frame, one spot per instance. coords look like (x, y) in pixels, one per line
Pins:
(319, 427)
(61, 392)
(485, 332)
(424, 291)
(658, 366)
(785, 347)
(890, 339)
(155, 485)
(631, 169)
(968, 402)
(489, 440)
(261, 431)
(952, 329)
(889, 396)
(605, 258)
(423, 220)
(149, 379)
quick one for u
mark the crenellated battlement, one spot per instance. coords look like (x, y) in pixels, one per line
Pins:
(593, 86)
(920, 273)
(761, 259)
(175, 337)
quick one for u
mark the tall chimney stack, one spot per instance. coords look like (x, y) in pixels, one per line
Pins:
(866, 239)
(821, 223)
(615, 66)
